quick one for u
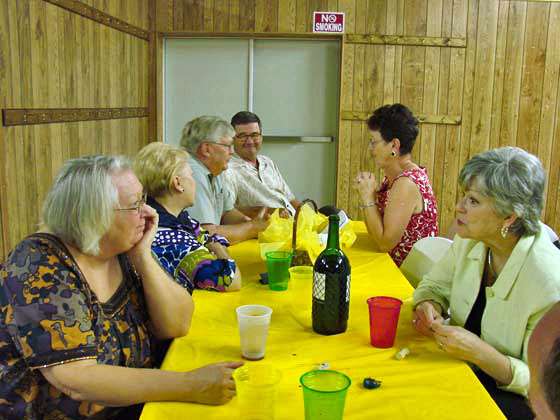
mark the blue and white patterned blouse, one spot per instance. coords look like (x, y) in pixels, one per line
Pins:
(180, 248)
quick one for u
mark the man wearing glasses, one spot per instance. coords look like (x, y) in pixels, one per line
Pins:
(209, 140)
(255, 180)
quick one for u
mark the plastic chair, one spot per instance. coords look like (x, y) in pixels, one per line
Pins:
(424, 254)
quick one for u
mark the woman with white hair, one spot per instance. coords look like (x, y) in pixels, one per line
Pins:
(499, 277)
(82, 301)
(192, 256)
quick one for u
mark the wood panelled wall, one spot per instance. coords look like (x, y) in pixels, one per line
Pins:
(53, 58)
(504, 84)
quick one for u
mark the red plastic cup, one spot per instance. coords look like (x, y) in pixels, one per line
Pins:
(384, 314)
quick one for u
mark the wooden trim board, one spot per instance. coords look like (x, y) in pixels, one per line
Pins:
(23, 116)
(98, 16)
(422, 118)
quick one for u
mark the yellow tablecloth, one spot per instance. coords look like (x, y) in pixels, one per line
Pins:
(426, 385)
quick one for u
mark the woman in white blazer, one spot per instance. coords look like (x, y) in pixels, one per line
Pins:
(500, 276)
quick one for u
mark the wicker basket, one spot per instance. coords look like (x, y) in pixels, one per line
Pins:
(300, 256)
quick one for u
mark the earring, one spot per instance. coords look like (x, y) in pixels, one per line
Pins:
(393, 153)
(504, 231)
(182, 190)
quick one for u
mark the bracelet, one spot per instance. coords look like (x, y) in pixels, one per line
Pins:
(365, 206)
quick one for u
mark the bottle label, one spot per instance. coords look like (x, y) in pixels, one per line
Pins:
(348, 288)
(319, 285)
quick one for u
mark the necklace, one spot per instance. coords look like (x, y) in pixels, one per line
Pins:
(490, 265)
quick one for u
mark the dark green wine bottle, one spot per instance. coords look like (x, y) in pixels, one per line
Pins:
(331, 286)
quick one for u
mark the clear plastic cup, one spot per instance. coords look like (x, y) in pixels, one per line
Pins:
(301, 273)
(324, 394)
(384, 314)
(253, 321)
(300, 302)
(256, 386)
(277, 264)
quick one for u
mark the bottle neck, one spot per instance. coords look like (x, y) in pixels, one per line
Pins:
(332, 242)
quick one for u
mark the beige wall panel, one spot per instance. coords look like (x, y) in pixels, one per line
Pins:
(512, 79)
(549, 140)
(266, 16)
(430, 100)
(221, 15)
(534, 59)
(287, 15)
(553, 205)
(246, 15)
(437, 172)
(54, 58)
(413, 71)
(347, 128)
(499, 74)
(484, 85)
(451, 156)
(468, 81)
(134, 12)
(208, 15)
(357, 148)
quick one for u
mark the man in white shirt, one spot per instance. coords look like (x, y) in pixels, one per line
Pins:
(255, 181)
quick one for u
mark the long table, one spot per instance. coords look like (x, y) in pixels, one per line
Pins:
(427, 384)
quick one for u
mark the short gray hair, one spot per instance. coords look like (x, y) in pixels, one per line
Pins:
(205, 128)
(79, 208)
(514, 179)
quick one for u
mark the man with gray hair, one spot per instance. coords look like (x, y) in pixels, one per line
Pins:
(209, 140)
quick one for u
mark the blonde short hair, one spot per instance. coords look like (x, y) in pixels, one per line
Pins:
(156, 165)
(79, 208)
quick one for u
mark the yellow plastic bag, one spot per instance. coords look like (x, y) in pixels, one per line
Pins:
(278, 235)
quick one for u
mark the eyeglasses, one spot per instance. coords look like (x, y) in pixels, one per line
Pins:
(227, 146)
(136, 206)
(372, 142)
(245, 137)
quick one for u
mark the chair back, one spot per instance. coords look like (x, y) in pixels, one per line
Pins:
(424, 254)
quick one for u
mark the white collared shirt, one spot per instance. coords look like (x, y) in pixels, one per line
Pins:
(262, 186)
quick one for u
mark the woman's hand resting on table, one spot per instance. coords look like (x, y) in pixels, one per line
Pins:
(212, 384)
(426, 314)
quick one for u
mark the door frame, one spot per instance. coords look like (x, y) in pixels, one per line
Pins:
(159, 64)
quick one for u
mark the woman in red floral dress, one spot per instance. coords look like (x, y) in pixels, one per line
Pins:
(403, 209)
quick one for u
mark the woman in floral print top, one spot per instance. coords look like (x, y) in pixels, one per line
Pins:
(404, 209)
(192, 256)
(82, 301)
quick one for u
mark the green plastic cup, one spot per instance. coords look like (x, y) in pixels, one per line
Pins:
(277, 264)
(324, 394)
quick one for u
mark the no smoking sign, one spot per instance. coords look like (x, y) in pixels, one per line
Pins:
(330, 22)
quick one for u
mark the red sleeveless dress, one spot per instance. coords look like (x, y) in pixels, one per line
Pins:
(420, 225)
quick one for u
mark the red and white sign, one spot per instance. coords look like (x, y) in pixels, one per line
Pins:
(331, 22)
